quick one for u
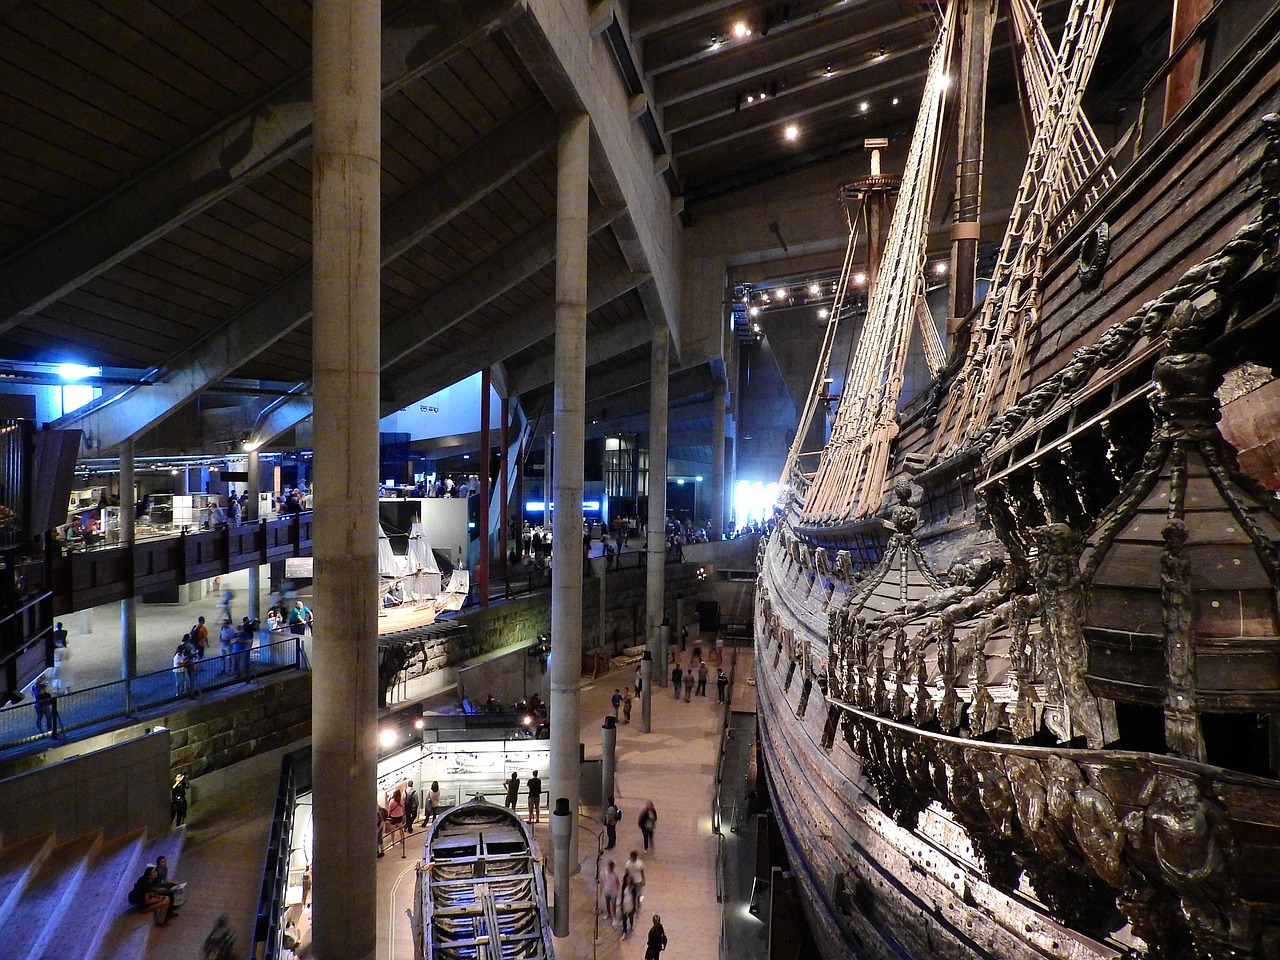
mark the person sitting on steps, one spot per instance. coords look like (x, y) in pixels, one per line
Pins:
(146, 896)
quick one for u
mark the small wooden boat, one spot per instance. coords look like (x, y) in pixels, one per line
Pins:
(481, 892)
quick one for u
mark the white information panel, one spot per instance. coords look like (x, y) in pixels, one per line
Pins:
(467, 768)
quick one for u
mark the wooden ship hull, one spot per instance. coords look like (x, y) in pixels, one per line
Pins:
(1029, 710)
(481, 893)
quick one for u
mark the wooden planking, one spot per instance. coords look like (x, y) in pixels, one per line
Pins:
(1179, 218)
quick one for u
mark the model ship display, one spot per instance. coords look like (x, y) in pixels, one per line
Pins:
(1018, 640)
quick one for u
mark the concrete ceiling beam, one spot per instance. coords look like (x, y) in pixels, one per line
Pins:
(224, 159)
(253, 329)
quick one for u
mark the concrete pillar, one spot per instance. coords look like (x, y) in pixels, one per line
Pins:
(566, 523)
(717, 461)
(129, 605)
(608, 755)
(646, 702)
(657, 523)
(250, 515)
(86, 620)
(346, 238)
(504, 488)
(482, 511)
(561, 834)
(255, 486)
(678, 629)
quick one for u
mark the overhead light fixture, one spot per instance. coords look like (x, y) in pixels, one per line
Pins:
(740, 30)
(388, 737)
(946, 83)
(896, 101)
(940, 267)
(754, 311)
(814, 289)
(864, 106)
(781, 293)
(828, 72)
(859, 278)
(823, 313)
(792, 132)
(715, 41)
(882, 54)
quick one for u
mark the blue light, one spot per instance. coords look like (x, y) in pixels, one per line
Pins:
(77, 371)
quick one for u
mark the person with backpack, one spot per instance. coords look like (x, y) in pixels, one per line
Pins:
(657, 939)
(612, 814)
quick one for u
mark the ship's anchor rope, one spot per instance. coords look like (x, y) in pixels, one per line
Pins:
(1063, 154)
(850, 477)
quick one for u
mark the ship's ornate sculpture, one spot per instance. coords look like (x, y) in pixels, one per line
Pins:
(1064, 744)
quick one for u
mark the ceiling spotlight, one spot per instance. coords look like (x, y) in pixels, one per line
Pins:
(940, 267)
(881, 56)
(754, 311)
(740, 30)
(823, 313)
(715, 41)
(827, 72)
(864, 106)
(781, 293)
(792, 132)
(751, 98)
(764, 94)
(388, 737)
(814, 289)
(946, 83)
(859, 278)
(896, 101)
(755, 328)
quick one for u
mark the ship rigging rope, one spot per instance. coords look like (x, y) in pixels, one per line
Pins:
(850, 477)
(824, 355)
(1063, 154)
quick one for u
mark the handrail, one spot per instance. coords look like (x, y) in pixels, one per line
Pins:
(93, 706)
(268, 931)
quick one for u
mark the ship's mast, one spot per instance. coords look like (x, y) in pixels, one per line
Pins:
(977, 18)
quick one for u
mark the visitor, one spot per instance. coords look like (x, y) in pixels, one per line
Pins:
(648, 821)
(677, 675)
(145, 897)
(178, 800)
(702, 678)
(610, 888)
(513, 789)
(535, 797)
(657, 939)
(722, 685)
(612, 814)
(627, 700)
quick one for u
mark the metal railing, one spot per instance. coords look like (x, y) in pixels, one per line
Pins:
(52, 720)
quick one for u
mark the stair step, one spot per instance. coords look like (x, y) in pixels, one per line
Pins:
(18, 864)
(47, 894)
(105, 887)
(128, 943)
(129, 929)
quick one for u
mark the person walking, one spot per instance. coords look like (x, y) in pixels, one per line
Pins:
(722, 685)
(634, 869)
(612, 814)
(433, 802)
(616, 701)
(648, 821)
(513, 789)
(677, 674)
(688, 684)
(702, 678)
(181, 681)
(638, 685)
(395, 820)
(627, 905)
(610, 888)
(535, 797)
(44, 707)
(411, 803)
(626, 704)
(657, 939)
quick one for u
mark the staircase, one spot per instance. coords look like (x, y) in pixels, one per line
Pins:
(68, 899)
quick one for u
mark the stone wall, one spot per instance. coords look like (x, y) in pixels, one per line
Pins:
(209, 736)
